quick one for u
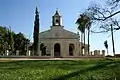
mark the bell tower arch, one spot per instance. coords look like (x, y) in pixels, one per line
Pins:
(56, 19)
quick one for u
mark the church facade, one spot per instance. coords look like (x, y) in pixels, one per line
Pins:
(58, 42)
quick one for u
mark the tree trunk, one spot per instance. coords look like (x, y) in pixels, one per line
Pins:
(107, 51)
(112, 40)
(81, 43)
(84, 44)
(88, 41)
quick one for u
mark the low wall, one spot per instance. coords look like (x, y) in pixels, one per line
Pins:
(47, 57)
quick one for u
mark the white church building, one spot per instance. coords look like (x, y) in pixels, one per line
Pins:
(59, 42)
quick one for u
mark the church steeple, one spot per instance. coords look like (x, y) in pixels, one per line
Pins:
(36, 32)
(56, 19)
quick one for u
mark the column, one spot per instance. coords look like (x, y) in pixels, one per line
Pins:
(95, 52)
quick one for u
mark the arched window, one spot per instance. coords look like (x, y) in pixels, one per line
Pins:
(71, 49)
(43, 49)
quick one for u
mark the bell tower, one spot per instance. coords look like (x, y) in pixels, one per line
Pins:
(56, 19)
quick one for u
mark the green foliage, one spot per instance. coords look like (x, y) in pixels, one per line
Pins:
(80, 23)
(60, 70)
(3, 39)
(106, 44)
(83, 22)
(12, 41)
(21, 43)
(36, 32)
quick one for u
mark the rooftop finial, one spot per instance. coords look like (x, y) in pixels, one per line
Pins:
(57, 13)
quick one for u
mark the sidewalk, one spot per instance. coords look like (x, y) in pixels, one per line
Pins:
(40, 59)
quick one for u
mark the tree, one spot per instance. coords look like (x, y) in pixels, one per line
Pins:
(36, 33)
(21, 43)
(104, 17)
(106, 45)
(81, 28)
(12, 41)
(88, 25)
(3, 40)
(84, 22)
(112, 39)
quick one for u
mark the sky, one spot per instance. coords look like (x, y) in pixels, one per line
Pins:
(20, 14)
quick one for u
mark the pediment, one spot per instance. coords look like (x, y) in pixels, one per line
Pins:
(58, 33)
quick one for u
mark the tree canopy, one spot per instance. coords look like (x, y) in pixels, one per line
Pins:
(12, 41)
(105, 15)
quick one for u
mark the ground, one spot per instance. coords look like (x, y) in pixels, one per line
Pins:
(60, 69)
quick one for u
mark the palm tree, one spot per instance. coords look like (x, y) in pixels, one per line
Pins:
(88, 23)
(81, 28)
(84, 22)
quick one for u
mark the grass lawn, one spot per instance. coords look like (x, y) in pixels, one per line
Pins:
(60, 70)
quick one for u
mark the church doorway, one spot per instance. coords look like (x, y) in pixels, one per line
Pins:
(57, 50)
(71, 49)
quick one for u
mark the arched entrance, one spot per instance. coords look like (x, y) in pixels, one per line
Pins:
(71, 49)
(57, 50)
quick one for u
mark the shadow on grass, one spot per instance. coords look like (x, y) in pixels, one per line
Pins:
(78, 72)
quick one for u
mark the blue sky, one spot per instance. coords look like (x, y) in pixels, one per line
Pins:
(19, 14)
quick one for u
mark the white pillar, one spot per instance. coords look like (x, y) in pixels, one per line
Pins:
(7, 52)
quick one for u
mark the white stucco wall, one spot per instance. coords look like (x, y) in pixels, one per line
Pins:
(64, 46)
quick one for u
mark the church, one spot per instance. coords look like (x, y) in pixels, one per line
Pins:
(57, 42)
